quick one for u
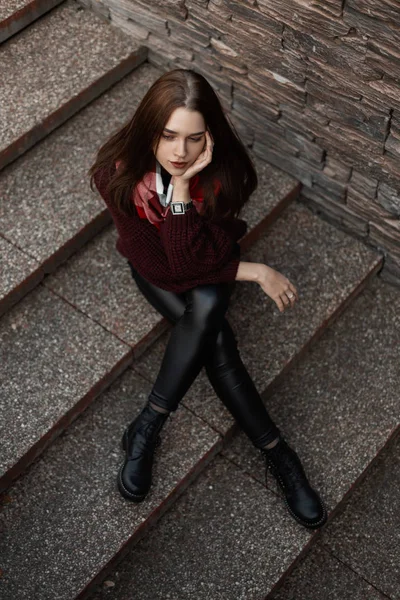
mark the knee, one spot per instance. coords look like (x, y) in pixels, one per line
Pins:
(209, 304)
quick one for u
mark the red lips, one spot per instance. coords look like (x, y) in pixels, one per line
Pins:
(178, 165)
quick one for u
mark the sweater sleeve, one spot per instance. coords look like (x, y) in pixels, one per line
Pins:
(196, 245)
(234, 226)
(156, 256)
(138, 239)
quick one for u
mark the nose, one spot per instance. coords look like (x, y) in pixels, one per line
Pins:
(180, 150)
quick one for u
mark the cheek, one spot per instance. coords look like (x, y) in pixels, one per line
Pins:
(198, 150)
(160, 151)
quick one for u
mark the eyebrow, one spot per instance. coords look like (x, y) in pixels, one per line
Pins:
(170, 131)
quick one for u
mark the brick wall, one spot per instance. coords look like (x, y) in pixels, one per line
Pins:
(313, 86)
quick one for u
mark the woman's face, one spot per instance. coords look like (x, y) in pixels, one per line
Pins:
(182, 140)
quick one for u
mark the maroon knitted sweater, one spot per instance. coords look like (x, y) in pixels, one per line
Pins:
(189, 250)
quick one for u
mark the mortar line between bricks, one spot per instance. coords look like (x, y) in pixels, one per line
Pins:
(388, 128)
(345, 564)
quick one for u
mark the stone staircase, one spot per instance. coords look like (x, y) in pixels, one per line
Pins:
(81, 346)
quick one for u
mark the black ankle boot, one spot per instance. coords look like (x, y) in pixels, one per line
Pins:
(303, 502)
(139, 441)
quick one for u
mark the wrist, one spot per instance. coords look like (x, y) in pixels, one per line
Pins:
(261, 272)
(249, 271)
(180, 184)
(181, 191)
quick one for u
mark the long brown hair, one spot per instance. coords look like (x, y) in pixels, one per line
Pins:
(133, 144)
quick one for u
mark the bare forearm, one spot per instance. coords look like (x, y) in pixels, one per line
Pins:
(250, 271)
(181, 191)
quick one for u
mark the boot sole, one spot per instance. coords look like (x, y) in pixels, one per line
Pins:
(308, 524)
(281, 491)
(125, 492)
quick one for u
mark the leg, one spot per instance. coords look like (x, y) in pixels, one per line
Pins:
(197, 326)
(234, 386)
(197, 315)
(202, 335)
(224, 367)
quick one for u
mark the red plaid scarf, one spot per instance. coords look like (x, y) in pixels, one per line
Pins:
(147, 201)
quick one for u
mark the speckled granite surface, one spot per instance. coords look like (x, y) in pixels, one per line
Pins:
(53, 357)
(65, 519)
(46, 201)
(20, 267)
(12, 6)
(324, 264)
(366, 536)
(219, 541)
(340, 404)
(322, 576)
(42, 70)
(98, 281)
(357, 556)
(273, 186)
(17, 14)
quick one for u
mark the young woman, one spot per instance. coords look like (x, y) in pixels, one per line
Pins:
(175, 178)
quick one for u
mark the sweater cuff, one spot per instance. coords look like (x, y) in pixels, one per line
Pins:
(229, 271)
(181, 222)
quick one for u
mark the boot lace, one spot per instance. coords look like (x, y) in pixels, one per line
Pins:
(285, 465)
(144, 438)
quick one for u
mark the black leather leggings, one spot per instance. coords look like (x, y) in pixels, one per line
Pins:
(202, 336)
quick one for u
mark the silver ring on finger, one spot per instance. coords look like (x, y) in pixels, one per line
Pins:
(289, 294)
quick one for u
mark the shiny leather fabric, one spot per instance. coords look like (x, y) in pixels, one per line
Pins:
(302, 500)
(202, 336)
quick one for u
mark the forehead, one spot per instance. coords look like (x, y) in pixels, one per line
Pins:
(183, 120)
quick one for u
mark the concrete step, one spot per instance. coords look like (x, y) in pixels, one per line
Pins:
(17, 14)
(47, 209)
(357, 554)
(90, 302)
(67, 500)
(230, 536)
(55, 67)
(65, 519)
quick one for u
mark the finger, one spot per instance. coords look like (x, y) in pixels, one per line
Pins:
(210, 142)
(290, 293)
(285, 300)
(279, 304)
(206, 156)
(292, 290)
(291, 298)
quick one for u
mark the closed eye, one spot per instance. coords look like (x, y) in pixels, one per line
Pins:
(171, 137)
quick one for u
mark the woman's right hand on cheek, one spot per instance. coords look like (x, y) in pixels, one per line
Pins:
(204, 158)
(277, 287)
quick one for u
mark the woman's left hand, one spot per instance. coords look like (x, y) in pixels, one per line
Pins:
(200, 163)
